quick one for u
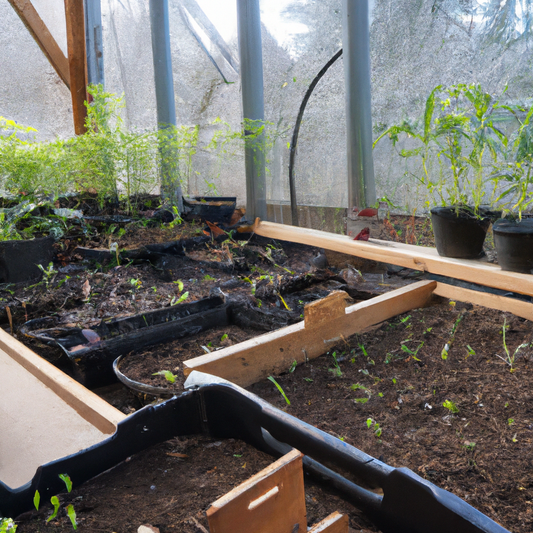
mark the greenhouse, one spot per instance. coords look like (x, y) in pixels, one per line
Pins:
(266, 265)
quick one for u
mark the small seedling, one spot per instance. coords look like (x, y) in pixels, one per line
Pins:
(448, 404)
(470, 351)
(374, 426)
(293, 366)
(336, 368)
(167, 374)
(137, 283)
(412, 353)
(509, 359)
(309, 380)
(470, 446)
(207, 277)
(510, 421)
(175, 300)
(278, 386)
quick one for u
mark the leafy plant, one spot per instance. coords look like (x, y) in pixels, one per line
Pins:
(336, 368)
(281, 391)
(374, 426)
(509, 359)
(457, 133)
(448, 404)
(167, 374)
(7, 525)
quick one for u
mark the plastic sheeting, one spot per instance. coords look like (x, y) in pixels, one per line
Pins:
(415, 45)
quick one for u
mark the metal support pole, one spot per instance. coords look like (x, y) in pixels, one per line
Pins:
(356, 46)
(166, 108)
(251, 61)
(94, 42)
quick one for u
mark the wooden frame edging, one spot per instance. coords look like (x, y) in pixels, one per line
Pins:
(406, 255)
(326, 322)
(89, 406)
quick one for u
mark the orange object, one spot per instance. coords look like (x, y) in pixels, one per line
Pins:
(215, 230)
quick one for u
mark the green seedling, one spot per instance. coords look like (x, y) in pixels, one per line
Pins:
(136, 283)
(293, 366)
(48, 273)
(224, 337)
(448, 404)
(336, 368)
(309, 380)
(7, 525)
(167, 374)
(374, 426)
(470, 446)
(55, 502)
(412, 353)
(177, 300)
(179, 283)
(510, 421)
(281, 391)
(71, 513)
(207, 277)
(509, 359)
(470, 351)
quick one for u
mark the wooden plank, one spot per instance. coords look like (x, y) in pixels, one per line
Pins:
(493, 301)
(87, 404)
(334, 523)
(77, 60)
(43, 37)
(406, 255)
(272, 501)
(274, 352)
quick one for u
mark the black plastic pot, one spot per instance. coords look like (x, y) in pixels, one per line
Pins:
(514, 244)
(19, 259)
(458, 232)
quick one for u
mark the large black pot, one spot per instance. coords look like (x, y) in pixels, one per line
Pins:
(458, 232)
(514, 244)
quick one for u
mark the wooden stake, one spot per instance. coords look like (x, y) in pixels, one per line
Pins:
(334, 523)
(38, 30)
(77, 59)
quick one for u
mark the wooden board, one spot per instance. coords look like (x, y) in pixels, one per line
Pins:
(334, 523)
(44, 414)
(77, 60)
(272, 501)
(43, 37)
(493, 301)
(406, 255)
(325, 324)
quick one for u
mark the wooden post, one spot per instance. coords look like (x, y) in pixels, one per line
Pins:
(77, 59)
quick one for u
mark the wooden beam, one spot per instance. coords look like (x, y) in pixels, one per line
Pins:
(269, 502)
(255, 359)
(77, 60)
(406, 255)
(45, 40)
(334, 523)
(493, 301)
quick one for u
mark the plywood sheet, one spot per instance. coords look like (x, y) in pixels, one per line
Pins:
(37, 425)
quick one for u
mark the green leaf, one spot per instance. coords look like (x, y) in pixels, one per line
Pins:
(66, 480)
(36, 499)
(167, 374)
(72, 515)
(55, 502)
(278, 386)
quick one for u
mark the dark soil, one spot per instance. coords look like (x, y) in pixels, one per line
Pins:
(392, 377)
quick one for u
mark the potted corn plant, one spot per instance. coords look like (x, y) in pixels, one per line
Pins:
(513, 178)
(457, 132)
